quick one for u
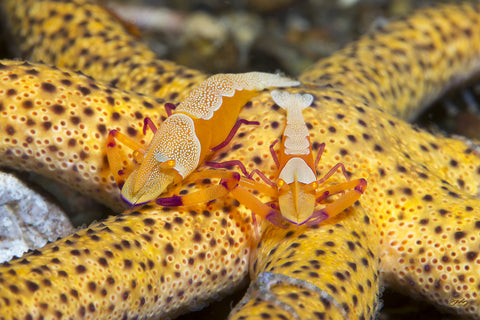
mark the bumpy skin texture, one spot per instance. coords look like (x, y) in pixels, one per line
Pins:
(421, 195)
(433, 50)
(51, 119)
(136, 265)
(82, 35)
(311, 273)
(154, 261)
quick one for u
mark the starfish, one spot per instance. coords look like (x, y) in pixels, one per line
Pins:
(415, 228)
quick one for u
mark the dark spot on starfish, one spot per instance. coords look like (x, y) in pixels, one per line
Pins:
(66, 82)
(401, 169)
(58, 109)
(103, 262)
(197, 237)
(27, 104)
(178, 220)
(88, 111)
(48, 87)
(149, 222)
(116, 116)
(364, 262)
(459, 235)
(362, 123)
(10, 130)
(424, 221)
(31, 286)
(169, 248)
(442, 212)
(84, 90)
(80, 269)
(111, 101)
(46, 125)
(427, 198)
(132, 132)
(471, 255)
(147, 105)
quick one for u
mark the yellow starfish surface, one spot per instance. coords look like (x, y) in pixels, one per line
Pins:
(419, 214)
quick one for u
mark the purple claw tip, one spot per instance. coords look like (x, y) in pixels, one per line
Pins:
(361, 186)
(276, 219)
(174, 201)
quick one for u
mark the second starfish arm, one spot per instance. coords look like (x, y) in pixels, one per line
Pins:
(405, 65)
(83, 35)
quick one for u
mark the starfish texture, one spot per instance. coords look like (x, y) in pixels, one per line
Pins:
(416, 227)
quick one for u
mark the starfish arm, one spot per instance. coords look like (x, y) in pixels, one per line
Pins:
(430, 245)
(138, 264)
(407, 64)
(307, 273)
(55, 122)
(83, 35)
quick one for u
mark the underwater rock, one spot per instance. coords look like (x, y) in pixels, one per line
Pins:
(27, 219)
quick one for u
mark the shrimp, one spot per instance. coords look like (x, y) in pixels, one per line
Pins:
(204, 122)
(297, 183)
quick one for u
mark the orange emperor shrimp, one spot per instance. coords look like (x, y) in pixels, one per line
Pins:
(297, 182)
(204, 122)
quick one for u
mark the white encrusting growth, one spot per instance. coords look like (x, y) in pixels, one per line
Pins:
(206, 98)
(296, 130)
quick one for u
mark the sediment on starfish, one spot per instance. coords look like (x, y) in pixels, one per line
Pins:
(422, 187)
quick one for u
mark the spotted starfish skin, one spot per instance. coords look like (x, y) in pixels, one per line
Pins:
(152, 243)
(433, 50)
(421, 195)
(153, 261)
(39, 101)
(305, 273)
(75, 30)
